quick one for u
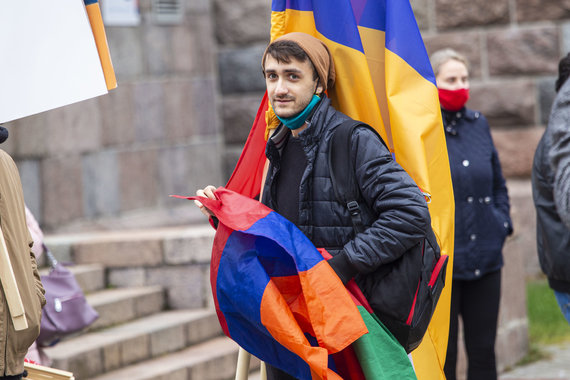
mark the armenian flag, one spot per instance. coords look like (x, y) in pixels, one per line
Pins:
(276, 296)
(384, 78)
(271, 287)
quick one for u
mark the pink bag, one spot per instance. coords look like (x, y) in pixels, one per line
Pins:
(66, 310)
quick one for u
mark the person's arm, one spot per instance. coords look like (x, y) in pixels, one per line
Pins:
(36, 232)
(403, 215)
(559, 153)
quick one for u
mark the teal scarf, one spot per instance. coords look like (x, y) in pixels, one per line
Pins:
(295, 122)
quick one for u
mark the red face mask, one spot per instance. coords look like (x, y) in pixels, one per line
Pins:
(453, 100)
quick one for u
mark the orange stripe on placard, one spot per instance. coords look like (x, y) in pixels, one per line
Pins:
(96, 21)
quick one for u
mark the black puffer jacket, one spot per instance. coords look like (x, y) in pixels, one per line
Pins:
(393, 207)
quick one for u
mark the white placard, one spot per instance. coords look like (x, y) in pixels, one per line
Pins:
(120, 12)
(48, 57)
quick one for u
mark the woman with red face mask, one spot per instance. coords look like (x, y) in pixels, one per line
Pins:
(482, 220)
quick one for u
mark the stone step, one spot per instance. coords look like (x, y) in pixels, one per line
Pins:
(125, 304)
(132, 248)
(176, 258)
(98, 352)
(215, 359)
(90, 277)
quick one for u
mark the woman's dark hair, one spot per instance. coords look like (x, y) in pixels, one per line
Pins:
(563, 72)
(284, 50)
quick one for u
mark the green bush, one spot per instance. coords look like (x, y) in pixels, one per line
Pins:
(547, 325)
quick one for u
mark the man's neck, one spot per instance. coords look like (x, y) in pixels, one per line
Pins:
(295, 132)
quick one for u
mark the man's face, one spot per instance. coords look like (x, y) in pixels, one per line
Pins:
(290, 86)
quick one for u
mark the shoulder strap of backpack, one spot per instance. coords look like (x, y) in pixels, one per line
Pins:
(342, 169)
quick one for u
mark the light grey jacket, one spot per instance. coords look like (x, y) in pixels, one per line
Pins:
(559, 152)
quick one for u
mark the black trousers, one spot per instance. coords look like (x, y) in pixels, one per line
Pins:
(16, 377)
(477, 302)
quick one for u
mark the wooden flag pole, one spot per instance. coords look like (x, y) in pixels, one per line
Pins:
(10, 286)
(40, 372)
(242, 370)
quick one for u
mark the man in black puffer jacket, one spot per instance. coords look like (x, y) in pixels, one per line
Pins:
(298, 68)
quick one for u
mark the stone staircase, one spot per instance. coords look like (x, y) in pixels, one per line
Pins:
(151, 290)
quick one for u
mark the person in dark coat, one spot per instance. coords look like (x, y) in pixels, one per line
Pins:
(298, 68)
(482, 220)
(551, 193)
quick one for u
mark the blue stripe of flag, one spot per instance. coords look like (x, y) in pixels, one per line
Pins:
(298, 5)
(358, 8)
(403, 37)
(374, 15)
(396, 18)
(243, 275)
(296, 253)
(334, 19)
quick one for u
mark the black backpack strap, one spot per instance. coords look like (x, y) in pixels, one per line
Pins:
(342, 169)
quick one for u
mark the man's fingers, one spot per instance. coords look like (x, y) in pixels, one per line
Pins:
(207, 192)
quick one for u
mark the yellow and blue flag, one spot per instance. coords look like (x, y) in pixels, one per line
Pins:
(383, 78)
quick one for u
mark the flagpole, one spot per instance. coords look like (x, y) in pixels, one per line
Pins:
(10, 287)
(242, 370)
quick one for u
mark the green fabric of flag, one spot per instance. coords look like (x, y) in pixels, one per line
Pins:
(380, 355)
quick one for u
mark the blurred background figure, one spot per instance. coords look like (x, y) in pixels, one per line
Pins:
(35, 352)
(18, 243)
(551, 192)
(482, 220)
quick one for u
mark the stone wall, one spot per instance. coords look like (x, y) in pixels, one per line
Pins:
(241, 45)
(123, 153)
(514, 47)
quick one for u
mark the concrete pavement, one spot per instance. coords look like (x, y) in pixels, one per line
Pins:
(556, 367)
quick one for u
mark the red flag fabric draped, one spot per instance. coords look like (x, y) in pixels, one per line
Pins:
(246, 178)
